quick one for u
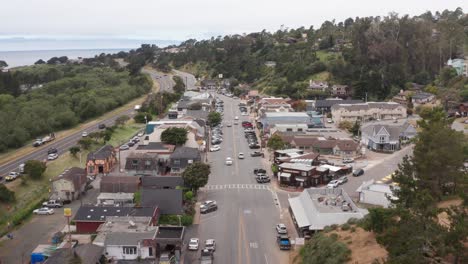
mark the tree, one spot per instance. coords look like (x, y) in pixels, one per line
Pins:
(345, 125)
(275, 142)
(299, 106)
(179, 86)
(6, 195)
(174, 136)
(196, 175)
(214, 119)
(35, 169)
(355, 128)
(3, 64)
(326, 249)
(121, 120)
(85, 143)
(40, 61)
(142, 117)
(74, 150)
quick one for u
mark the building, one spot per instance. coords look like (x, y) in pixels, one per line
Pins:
(115, 199)
(182, 157)
(342, 91)
(270, 119)
(298, 175)
(69, 185)
(386, 137)
(101, 161)
(162, 182)
(89, 218)
(253, 94)
(195, 134)
(374, 193)
(209, 84)
(306, 158)
(417, 98)
(286, 153)
(324, 106)
(316, 208)
(289, 128)
(463, 109)
(87, 253)
(145, 164)
(117, 183)
(318, 86)
(343, 147)
(367, 111)
(163, 151)
(163, 192)
(460, 66)
(131, 245)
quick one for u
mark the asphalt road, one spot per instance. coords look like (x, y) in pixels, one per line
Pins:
(188, 79)
(244, 224)
(165, 81)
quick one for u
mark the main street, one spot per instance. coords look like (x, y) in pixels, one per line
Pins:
(244, 224)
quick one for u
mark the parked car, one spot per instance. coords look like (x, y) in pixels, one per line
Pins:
(348, 160)
(228, 161)
(215, 148)
(44, 211)
(229, 124)
(262, 178)
(124, 147)
(358, 172)
(52, 204)
(254, 146)
(102, 126)
(193, 244)
(131, 143)
(332, 184)
(52, 156)
(342, 180)
(84, 134)
(281, 229)
(12, 176)
(256, 154)
(211, 207)
(210, 244)
(141, 134)
(258, 171)
(52, 151)
(236, 118)
(241, 155)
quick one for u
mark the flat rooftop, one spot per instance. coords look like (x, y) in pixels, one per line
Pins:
(330, 202)
(170, 232)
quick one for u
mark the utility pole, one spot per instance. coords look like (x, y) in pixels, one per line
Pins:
(366, 97)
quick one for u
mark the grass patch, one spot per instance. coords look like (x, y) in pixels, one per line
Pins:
(321, 76)
(326, 56)
(121, 135)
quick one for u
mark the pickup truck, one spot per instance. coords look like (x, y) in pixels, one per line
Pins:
(41, 141)
(52, 204)
(283, 242)
(206, 257)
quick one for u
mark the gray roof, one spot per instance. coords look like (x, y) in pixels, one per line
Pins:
(88, 213)
(169, 201)
(102, 153)
(366, 106)
(144, 161)
(89, 253)
(422, 95)
(200, 114)
(127, 238)
(186, 153)
(152, 146)
(330, 103)
(395, 131)
(162, 182)
(170, 232)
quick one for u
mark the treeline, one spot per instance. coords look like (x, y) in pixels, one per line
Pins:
(374, 55)
(70, 94)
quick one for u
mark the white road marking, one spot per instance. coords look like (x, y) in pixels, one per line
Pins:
(253, 245)
(266, 259)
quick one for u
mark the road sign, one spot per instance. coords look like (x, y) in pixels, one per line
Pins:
(67, 212)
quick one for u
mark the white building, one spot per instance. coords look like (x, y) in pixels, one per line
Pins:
(376, 193)
(367, 111)
(130, 246)
(117, 199)
(294, 127)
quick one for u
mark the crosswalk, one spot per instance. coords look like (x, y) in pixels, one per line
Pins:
(235, 186)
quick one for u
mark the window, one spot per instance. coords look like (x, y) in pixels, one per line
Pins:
(90, 169)
(176, 162)
(382, 139)
(129, 250)
(299, 129)
(289, 129)
(135, 162)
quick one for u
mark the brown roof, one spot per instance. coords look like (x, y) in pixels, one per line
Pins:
(274, 101)
(324, 143)
(347, 145)
(253, 92)
(118, 183)
(74, 174)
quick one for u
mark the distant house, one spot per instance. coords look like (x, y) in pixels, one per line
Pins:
(417, 98)
(89, 218)
(163, 192)
(463, 109)
(386, 137)
(182, 157)
(374, 193)
(119, 183)
(101, 161)
(145, 164)
(460, 66)
(209, 84)
(69, 185)
(339, 90)
(318, 86)
(324, 106)
(343, 147)
(367, 111)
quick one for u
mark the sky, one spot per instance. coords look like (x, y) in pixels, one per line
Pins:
(183, 19)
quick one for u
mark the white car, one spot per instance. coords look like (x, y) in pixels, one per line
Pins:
(228, 161)
(210, 244)
(342, 180)
(52, 156)
(44, 211)
(228, 124)
(281, 229)
(236, 118)
(244, 113)
(241, 155)
(333, 184)
(141, 134)
(124, 147)
(215, 148)
(84, 134)
(193, 244)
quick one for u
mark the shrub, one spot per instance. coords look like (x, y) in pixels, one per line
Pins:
(353, 229)
(353, 221)
(327, 229)
(188, 196)
(186, 220)
(324, 249)
(6, 195)
(334, 227)
(345, 227)
(35, 169)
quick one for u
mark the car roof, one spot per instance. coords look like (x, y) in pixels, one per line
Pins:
(281, 225)
(210, 241)
(194, 240)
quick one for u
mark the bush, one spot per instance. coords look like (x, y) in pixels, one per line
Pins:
(6, 195)
(140, 117)
(169, 220)
(186, 220)
(345, 227)
(188, 196)
(353, 229)
(324, 249)
(35, 169)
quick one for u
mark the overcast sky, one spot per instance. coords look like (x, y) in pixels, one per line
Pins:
(182, 19)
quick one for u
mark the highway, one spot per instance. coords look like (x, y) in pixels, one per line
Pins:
(165, 80)
(188, 79)
(244, 224)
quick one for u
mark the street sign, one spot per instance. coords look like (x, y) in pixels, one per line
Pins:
(300, 241)
(67, 212)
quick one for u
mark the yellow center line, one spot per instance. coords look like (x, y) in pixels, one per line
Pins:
(246, 243)
(239, 240)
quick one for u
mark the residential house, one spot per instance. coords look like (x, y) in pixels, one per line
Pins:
(162, 150)
(131, 246)
(343, 147)
(117, 183)
(342, 91)
(145, 164)
(69, 185)
(209, 84)
(374, 193)
(460, 66)
(463, 109)
(324, 106)
(367, 111)
(253, 94)
(316, 208)
(384, 137)
(88, 218)
(163, 192)
(182, 157)
(116, 199)
(417, 98)
(318, 86)
(101, 161)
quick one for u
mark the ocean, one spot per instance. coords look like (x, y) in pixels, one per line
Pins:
(29, 57)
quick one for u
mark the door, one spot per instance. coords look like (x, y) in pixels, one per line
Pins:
(101, 169)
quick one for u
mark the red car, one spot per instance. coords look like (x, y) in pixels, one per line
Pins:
(247, 124)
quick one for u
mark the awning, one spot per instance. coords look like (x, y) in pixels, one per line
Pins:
(299, 212)
(299, 179)
(285, 174)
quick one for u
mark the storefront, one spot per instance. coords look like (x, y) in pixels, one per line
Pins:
(297, 174)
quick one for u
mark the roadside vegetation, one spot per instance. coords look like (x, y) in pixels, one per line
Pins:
(48, 98)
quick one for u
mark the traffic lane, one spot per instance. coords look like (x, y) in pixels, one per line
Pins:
(62, 145)
(188, 79)
(376, 172)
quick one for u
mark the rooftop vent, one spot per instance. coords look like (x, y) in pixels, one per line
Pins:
(91, 210)
(88, 216)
